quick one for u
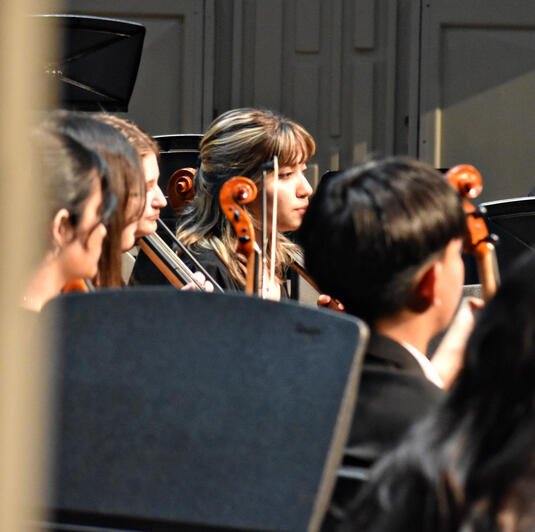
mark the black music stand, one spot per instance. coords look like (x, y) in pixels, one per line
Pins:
(98, 61)
(194, 411)
(513, 222)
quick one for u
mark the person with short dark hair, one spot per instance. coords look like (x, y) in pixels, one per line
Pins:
(470, 464)
(385, 239)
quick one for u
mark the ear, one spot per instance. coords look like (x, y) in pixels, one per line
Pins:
(425, 290)
(61, 230)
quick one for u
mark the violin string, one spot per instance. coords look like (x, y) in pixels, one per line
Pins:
(186, 251)
(274, 219)
(173, 260)
(264, 233)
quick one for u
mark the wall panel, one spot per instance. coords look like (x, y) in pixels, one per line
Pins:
(477, 89)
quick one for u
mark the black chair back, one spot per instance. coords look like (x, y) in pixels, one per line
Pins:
(194, 411)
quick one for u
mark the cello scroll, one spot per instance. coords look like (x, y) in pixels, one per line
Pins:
(180, 188)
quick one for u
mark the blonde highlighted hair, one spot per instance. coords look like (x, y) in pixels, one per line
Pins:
(240, 142)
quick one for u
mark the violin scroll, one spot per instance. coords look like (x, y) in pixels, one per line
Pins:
(235, 192)
(468, 182)
(466, 179)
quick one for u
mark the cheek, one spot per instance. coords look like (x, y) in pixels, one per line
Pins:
(284, 203)
(128, 236)
(96, 239)
(460, 271)
(148, 203)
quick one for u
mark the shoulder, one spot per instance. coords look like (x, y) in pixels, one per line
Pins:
(211, 262)
(384, 351)
(394, 393)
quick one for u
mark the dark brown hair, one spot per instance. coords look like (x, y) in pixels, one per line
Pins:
(369, 229)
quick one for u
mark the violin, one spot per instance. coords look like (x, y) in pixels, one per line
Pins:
(170, 264)
(468, 182)
(234, 193)
(167, 261)
(181, 190)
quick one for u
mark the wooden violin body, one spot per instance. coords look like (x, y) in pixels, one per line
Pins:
(78, 285)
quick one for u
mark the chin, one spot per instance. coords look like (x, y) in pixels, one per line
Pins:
(128, 244)
(91, 274)
(290, 227)
(146, 228)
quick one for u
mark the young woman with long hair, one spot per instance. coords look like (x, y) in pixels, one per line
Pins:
(239, 143)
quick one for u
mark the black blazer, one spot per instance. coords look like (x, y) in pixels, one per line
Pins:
(394, 393)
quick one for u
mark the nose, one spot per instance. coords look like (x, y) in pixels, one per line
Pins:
(158, 201)
(304, 190)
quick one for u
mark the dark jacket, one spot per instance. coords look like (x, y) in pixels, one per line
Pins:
(394, 393)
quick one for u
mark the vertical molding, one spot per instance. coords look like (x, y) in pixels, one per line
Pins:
(306, 109)
(237, 58)
(268, 54)
(208, 63)
(414, 80)
(363, 84)
(364, 29)
(391, 67)
(307, 26)
(335, 67)
(192, 105)
(430, 69)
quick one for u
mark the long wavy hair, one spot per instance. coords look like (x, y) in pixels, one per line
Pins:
(240, 142)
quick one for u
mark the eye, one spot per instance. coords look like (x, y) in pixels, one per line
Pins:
(285, 175)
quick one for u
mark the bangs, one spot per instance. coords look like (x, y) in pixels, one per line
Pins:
(294, 145)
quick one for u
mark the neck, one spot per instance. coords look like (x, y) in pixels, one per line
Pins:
(45, 284)
(416, 329)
